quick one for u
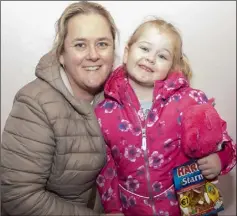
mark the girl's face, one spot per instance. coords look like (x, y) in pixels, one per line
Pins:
(150, 58)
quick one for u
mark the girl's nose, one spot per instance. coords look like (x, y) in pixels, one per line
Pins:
(151, 59)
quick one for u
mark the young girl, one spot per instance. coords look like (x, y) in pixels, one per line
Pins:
(140, 120)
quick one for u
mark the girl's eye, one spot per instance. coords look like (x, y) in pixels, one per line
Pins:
(144, 49)
(103, 44)
(162, 57)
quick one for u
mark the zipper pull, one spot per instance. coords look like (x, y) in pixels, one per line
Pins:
(143, 139)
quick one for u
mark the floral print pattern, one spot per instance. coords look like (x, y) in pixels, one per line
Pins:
(162, 213)
(157, 186)
(106, 196)
(156, 160)
(110, 173)
(132, 152)
(100, 181)
(132, 184)
(109, 106)
(141, 170)
(198, 96)
(124, 200)
(152, 118)
(124, 126)
(115, 152)
(135, 180)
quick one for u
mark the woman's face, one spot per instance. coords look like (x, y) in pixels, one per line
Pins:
(88, 52)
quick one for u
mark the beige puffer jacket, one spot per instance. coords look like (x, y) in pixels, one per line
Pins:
(52, 149)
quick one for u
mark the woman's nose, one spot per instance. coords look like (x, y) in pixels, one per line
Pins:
(93, 54)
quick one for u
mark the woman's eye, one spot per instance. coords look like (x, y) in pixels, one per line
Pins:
(103, 44)
(144, 49)
(80, 45)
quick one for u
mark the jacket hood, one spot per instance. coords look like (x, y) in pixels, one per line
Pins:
(48, 69)
(118, 84)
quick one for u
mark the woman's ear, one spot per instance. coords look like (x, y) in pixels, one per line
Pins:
(125, 55)
(61, 59)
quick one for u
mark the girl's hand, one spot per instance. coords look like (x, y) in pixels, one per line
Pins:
(210, 166)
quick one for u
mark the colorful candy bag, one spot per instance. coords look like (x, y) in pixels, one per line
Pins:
(196, 195)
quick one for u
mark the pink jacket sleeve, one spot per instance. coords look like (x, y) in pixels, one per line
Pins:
(228, 153)
(107, 183)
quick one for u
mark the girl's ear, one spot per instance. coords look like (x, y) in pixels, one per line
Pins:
(125, 55)
(176, 67)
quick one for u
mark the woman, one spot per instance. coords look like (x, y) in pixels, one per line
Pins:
(52, 148)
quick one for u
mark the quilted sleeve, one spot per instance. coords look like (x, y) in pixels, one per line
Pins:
(228, 153)
(27, 150)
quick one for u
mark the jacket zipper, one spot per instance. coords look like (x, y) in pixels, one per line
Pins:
(144, 148)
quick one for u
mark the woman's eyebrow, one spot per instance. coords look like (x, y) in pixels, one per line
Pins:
(86, 39)
(79, 39)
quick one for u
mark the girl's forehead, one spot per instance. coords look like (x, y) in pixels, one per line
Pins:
(155, 36)
(150, 31)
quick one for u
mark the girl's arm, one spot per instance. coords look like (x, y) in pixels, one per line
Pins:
(108, 187)
(228, 153)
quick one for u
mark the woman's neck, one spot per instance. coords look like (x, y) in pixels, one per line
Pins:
(80, 93)
(74, 89)
(144, 93)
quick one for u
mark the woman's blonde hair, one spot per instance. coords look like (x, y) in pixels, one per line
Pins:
(83, 7)
(180, 60)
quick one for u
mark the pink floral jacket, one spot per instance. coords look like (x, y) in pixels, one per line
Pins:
(141, 153)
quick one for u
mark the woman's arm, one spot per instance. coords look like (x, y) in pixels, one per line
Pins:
(27, 150)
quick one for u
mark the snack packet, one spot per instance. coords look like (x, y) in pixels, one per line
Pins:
(196, 195)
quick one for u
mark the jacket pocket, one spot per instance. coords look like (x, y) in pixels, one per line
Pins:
(134, 204)
(166, 202)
